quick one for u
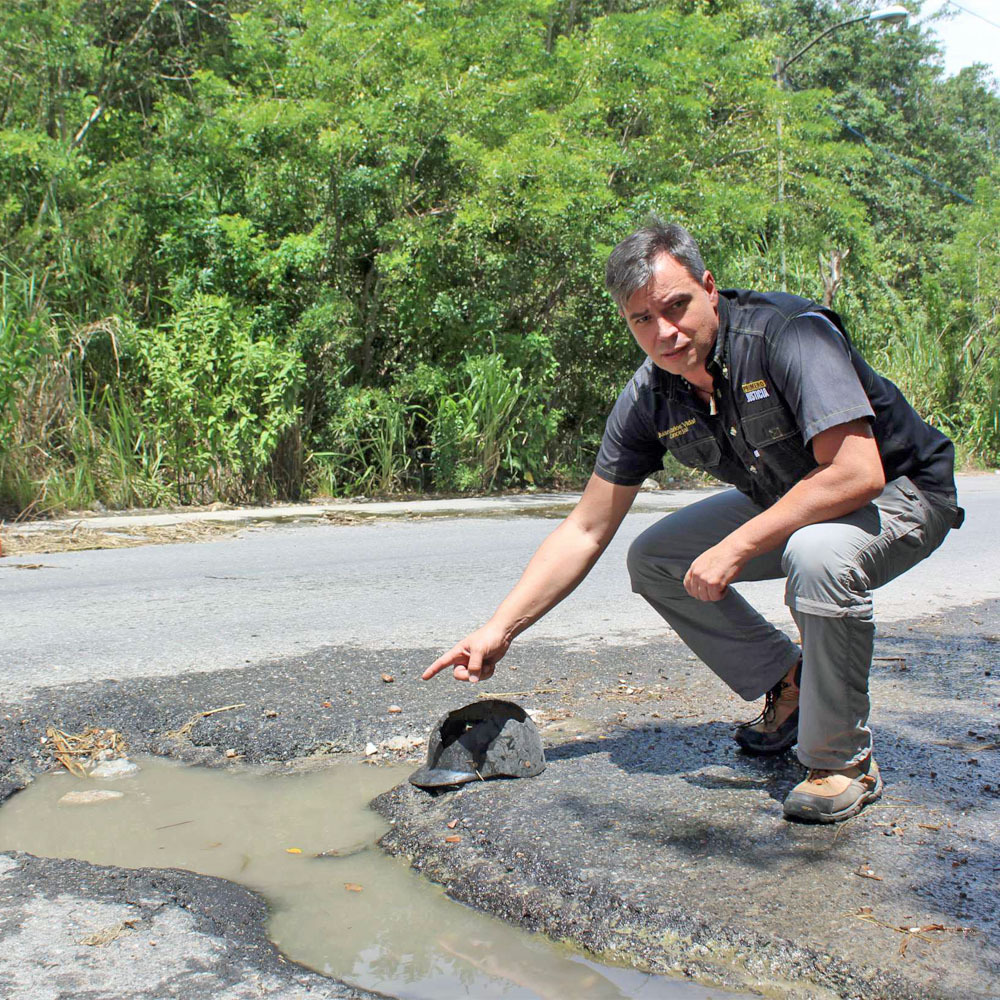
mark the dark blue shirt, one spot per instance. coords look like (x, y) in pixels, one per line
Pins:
(784, 370)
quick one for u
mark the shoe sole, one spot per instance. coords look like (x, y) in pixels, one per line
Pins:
(810, 814)
(764, 751)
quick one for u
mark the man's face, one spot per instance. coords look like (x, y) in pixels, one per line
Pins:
(674, 319)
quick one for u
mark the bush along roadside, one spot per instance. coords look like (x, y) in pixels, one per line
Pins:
(273, 250)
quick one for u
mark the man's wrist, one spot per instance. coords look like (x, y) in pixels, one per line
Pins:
(741, 549)
(508, 628)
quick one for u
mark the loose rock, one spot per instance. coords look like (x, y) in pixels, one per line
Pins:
(89, 797)
(110, 769)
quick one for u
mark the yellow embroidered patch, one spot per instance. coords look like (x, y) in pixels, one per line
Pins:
(755, 390)
(678, 429)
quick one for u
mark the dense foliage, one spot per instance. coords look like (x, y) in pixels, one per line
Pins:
(279, 247)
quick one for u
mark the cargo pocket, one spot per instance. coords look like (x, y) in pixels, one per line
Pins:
(903, 512)
(704, 453)
(777, 444)
(910, 530)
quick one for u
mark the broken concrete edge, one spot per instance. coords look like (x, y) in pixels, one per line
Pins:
(220, 909)
(596, 918)
(140, 707)
(665, 499)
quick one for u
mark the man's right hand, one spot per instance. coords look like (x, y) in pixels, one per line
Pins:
(475, 657)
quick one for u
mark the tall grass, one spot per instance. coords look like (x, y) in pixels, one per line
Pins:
(64, 443)
(495, 427)
(371, 436)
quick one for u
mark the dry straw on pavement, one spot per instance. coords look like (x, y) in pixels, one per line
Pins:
(72, 750)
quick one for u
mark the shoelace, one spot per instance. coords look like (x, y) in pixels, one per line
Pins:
(819, 775)
(771, 699)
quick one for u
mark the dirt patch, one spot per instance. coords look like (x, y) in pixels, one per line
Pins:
(32, 541)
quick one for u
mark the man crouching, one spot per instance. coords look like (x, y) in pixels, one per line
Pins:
(839, 487)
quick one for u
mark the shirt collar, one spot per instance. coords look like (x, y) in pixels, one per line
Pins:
(720, 352)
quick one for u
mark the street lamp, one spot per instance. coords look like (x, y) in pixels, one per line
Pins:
(895, 14)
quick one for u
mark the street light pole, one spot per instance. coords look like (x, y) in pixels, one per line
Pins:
(895, 14)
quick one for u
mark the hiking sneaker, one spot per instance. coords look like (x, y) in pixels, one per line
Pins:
(777, 726)
(830, 796)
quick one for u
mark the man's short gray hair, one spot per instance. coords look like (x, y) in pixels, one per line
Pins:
(630, 265)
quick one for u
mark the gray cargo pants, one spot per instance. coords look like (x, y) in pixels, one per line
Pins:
(831, 569)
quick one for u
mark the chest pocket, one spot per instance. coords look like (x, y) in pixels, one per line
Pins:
(776, 438)
(703, 453)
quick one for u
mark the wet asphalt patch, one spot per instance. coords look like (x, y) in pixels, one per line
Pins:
(650, 836)
(191, 937)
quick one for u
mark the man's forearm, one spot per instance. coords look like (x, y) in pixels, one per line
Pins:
(826, 493)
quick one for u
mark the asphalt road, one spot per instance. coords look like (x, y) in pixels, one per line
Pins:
(280, 590)
(648, 836)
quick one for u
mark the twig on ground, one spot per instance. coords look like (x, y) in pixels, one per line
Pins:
(909, 933)
(514, 694)
(185, 730)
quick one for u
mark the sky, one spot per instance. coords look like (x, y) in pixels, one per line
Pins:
(966, 38)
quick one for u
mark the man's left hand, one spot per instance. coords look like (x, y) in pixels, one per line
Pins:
(709, 576)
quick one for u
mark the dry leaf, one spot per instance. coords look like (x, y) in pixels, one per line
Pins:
(452, 824)
(293, 850)
(353, 887)
(104, 937)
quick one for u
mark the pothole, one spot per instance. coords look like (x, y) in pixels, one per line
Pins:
(306, 843)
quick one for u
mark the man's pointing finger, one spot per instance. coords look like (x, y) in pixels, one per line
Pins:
(454, 656)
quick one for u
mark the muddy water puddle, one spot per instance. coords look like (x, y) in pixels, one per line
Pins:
(306, 843)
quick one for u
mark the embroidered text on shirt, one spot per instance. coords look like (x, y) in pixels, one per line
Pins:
(678, 429)
(755, 390)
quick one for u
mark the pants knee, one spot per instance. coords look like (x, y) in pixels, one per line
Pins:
(646, 562)
(821, 580)
(637, 561)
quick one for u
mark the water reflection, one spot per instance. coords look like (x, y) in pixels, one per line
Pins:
(306, 843)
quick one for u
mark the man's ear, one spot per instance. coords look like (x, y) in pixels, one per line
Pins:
(708, 283)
